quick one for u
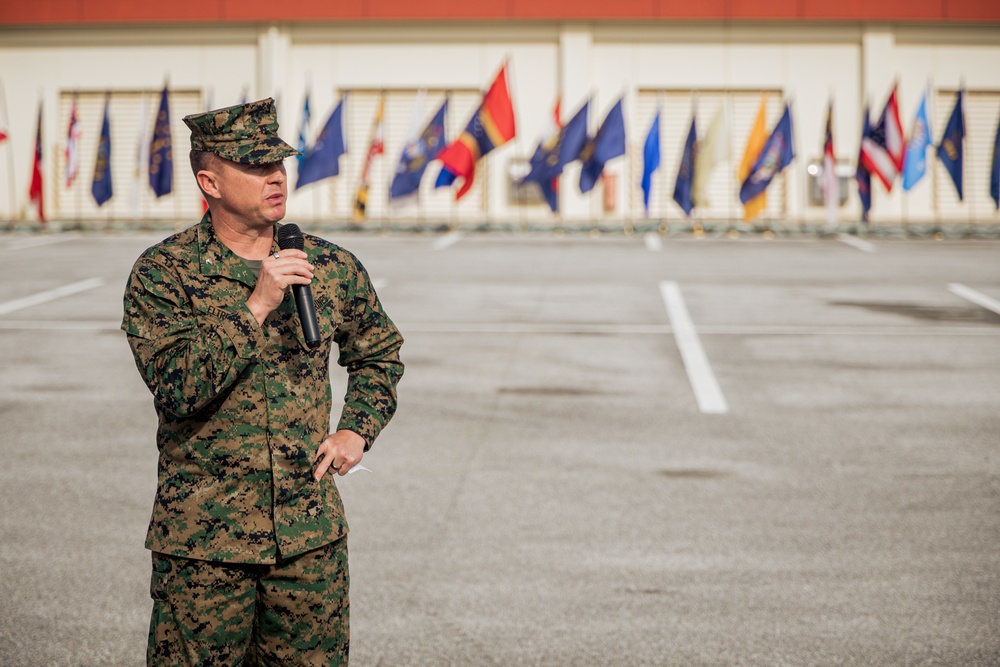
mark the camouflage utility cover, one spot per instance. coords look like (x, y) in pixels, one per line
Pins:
(242, 408)
(245, 133)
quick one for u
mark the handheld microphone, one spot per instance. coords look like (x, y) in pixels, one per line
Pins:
(290, 237)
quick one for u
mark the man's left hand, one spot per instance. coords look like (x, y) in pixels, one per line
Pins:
(341, 451)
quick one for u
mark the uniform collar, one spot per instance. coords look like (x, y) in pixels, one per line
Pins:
(217, 259)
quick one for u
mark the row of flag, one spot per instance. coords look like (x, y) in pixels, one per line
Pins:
(884, 151)
(160, 156)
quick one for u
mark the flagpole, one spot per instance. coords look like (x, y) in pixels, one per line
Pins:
(11, 185)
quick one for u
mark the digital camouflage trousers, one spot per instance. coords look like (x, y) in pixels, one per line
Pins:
(295, 612)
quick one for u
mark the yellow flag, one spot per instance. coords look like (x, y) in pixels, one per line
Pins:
(758, 137)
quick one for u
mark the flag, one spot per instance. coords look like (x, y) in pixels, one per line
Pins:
(445, 177)
(303, 132)
(950, 148)
(862, 175)
(161, 164)
(375, 147)
(883, 151)
(650, 159)
(995, 170)
(141, 158)
(550, 190)
(829, 183)
(72, 145)
(553, 154)
(711, 150)
(417, 154)
(777, 153)
(101, 185)
(685, 171)
(36, 194)
(323, 159)
(915, 160)
(492, 125)
(758, 135)
(608, 143)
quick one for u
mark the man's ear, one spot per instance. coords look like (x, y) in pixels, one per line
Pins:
(208, 180)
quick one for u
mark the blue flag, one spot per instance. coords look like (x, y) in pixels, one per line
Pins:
(650, 159)
(685, 172)
(445, 178)
(553, 155)
(915, 162)
(609, 143)
(323, 159)
(862, 176)
(778, 152)
(418, 154)
(101, 185)
(995, 170)
(161, 163)
(302, 146)
(950, 149)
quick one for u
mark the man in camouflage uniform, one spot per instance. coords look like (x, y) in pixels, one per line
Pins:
(248, 531)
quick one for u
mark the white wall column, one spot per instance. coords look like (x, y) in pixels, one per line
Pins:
(274, 47)
(575, 81)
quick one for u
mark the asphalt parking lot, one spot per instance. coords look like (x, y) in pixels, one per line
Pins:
(608, 451)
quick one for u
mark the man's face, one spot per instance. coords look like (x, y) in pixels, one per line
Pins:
(255, 194)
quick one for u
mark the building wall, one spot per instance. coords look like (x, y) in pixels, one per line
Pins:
(805, 63)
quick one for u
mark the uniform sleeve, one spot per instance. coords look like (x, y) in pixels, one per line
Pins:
(369, 350)
(186, 358)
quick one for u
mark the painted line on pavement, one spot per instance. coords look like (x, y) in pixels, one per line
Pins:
(50, 295)
(703, 382)
(24, 244)
(446, 241)
(978, 298)
(652, 241)
(855, 242)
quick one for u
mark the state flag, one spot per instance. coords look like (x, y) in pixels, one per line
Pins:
(777, 154)
(608, 143)
(417, 154)
(161, 163)
(323, 159)
(101, 187)
(950, 149)
(685, 171)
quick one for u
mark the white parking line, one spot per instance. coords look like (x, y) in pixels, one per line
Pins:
(49, 295)
(652, 241)
(703, 382)
(855, 242)
(978, 298)
(448, 240)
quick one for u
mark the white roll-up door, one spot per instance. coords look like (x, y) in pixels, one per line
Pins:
(676, 108)
(133, 199)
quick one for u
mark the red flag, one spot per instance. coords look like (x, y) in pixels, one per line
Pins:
(492, 125)
(35, 189)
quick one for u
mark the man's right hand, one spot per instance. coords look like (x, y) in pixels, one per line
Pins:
(277, 274)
